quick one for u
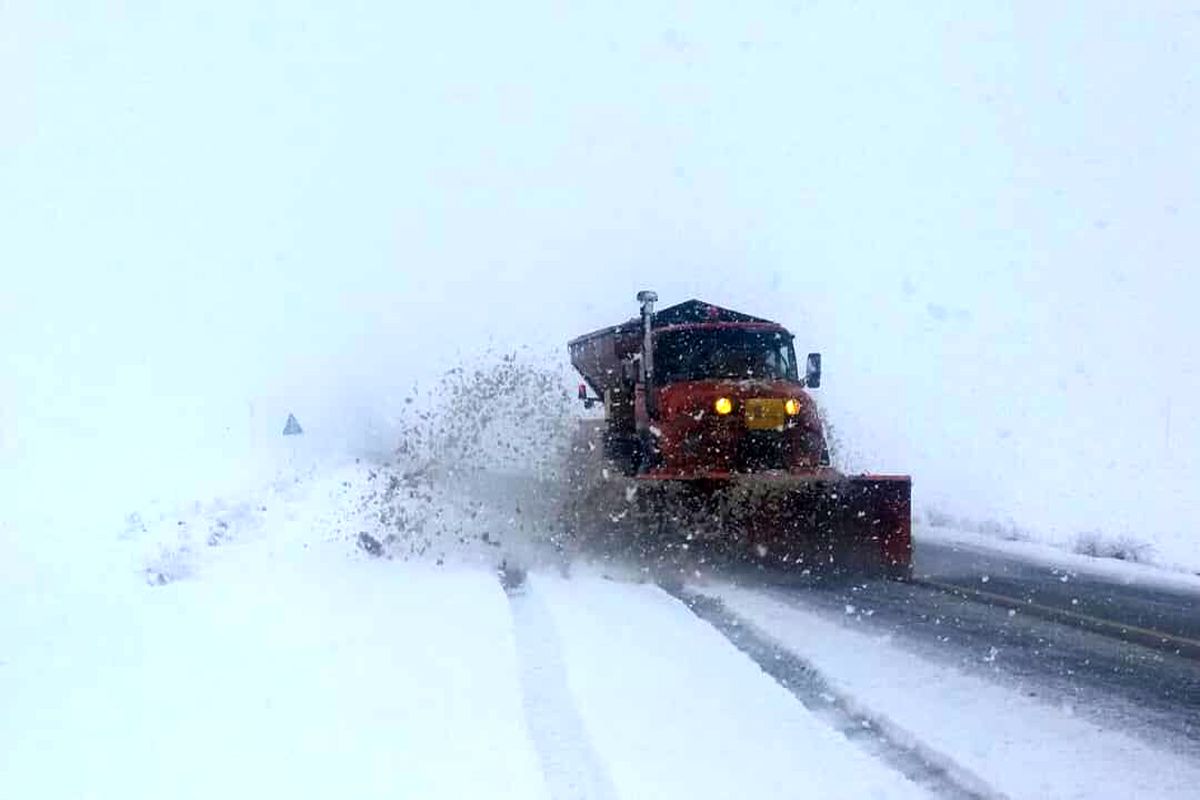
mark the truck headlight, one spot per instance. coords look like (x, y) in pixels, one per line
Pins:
(792, 407)
(723, 406)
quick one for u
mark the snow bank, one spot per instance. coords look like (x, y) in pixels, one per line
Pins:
(313, 624)
(1108, 568)
(281, 674)
(1174, 549)
(307, 623)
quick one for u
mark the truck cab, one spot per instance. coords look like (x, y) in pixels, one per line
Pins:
(700, 391)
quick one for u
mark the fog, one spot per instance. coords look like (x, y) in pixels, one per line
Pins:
(986, 219)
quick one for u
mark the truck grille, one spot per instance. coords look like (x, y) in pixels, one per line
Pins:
(763, 450)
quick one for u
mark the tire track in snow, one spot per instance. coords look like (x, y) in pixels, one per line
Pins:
(899, 749)
(572, 768)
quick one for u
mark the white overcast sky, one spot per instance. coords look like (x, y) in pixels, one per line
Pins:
(985, 215)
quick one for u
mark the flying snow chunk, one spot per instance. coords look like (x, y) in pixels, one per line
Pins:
(292, 428)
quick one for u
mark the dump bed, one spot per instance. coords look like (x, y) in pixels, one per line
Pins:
(598, 355)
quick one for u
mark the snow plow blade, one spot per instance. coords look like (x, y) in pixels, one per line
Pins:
(826, 523)
(852, 525)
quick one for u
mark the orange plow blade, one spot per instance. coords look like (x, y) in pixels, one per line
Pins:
(852, 525)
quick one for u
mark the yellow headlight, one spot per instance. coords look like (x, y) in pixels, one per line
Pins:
(792, 407)
(723, 405)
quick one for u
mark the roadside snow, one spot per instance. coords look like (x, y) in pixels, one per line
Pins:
(1174, 551)
(1126, 572)
(1023, 748)
(278, 661)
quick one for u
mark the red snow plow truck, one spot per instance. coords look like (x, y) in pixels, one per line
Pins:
(709, 432)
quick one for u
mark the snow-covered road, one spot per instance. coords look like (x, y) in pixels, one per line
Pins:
(675, 711)
(268, 655)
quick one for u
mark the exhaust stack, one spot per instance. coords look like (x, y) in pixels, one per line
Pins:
(648, 298)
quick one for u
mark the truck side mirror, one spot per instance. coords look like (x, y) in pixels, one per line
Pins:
(812, 372)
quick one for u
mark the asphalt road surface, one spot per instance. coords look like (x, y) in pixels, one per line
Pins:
(1160, 617)
(1121, 654)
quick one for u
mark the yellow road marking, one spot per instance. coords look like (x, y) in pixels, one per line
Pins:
(1132, 633)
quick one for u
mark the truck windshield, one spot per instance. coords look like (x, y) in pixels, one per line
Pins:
(732, 353)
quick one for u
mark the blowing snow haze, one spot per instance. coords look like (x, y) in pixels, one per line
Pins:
(985, 218)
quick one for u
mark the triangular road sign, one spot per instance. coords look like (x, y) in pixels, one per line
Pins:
(292, 428)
